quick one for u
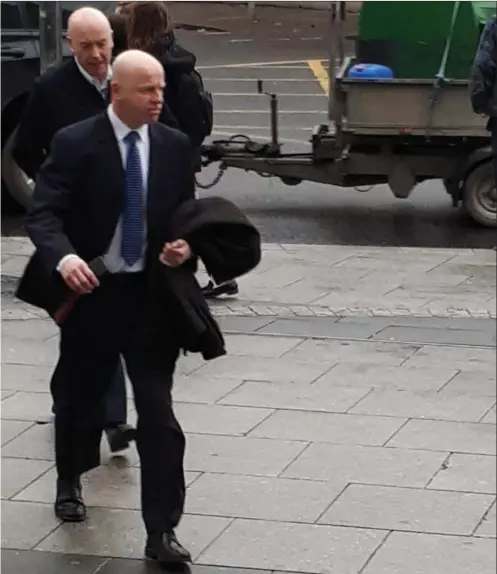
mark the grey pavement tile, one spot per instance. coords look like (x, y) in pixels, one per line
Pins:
(219, 419)
(28, 330)
(320, 327)
(30, 352)
(439, 336)
(34, 562)
(12, 429)
(106, 486)
(328, 427)
(18, 473)
(133, 566)
(261, 498)
(366, 465)
(367, 375)
(6, 394)
(200, 389)
(321, 398)
(353, 352)
(467, 473)
(189, 364)
(26, 406)
(25, 524)
(412, 553)
(38, 443)
(487, 528)
(240, 455)
(469, 324)
(471, 383)
(260, 346)
(419, 510)
(461, 358)
(121, 534)
(467, 438)
(490, 417)
(293, 547)
(243, 324)
(34, 378)
(14, 265)
(284, 370)
(424, 405)
(17, 246)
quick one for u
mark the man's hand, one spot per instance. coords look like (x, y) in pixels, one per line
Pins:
(176, 253)
(78, 276)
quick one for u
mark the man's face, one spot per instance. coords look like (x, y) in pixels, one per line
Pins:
(92, 46)
(140, 95)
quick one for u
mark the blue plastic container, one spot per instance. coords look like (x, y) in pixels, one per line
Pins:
(370, 72)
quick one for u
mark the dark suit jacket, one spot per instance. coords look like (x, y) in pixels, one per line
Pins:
(79, 197)
(60, 97)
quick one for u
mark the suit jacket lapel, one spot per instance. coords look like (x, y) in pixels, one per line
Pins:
(154, 173)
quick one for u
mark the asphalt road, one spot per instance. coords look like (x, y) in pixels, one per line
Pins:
(233, 53)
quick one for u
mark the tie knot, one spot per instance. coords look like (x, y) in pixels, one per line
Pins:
(132, 137)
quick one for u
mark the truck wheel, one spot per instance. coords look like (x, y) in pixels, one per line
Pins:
(480, 195)
(19, 186)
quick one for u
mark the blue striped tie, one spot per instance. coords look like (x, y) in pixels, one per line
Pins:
(132, 240)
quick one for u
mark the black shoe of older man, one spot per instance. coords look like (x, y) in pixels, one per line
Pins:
(212, 291)
(120, 437)
(165, 549)
(69, 505)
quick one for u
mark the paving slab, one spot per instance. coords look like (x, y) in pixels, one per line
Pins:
(441, 336)
(387, 377)
(487, 527)
(262, 498)
(428, 404)
(412, 509)
(14, 561)
(368, 465)
(459, 437)
(119, 533)
(240, 455)
(12, 429)
(467, 473)
(329, 427)
(472, 383)
(302, 548)
(299, 397)
(18, 473)
(25, 524)
(412, 553)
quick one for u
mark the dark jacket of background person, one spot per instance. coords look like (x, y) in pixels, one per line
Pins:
(483, 79)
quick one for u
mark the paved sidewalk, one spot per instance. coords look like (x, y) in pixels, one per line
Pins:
(336, 444)
(336, 281)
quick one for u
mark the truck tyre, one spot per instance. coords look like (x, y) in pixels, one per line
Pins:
(17, 183)
(480, 195)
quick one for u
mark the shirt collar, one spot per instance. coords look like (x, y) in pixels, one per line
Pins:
(93, 81)
(121, 129)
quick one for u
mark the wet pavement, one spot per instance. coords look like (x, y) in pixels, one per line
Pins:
(329, 440)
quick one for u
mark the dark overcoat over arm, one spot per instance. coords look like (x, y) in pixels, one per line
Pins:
(54, 184)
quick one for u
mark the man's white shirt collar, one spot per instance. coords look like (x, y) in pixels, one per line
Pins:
(122, 130)
(93, 81)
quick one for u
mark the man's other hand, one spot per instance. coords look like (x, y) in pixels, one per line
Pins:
(78, 276)
(175, 253)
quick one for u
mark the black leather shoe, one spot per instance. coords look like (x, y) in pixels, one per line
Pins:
(165, 549)
(211, 291)
(69, 505)
(120, 437)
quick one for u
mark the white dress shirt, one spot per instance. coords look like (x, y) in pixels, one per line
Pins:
(101, 87)
(113, 259)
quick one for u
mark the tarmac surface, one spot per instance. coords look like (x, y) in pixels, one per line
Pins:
(285, 48)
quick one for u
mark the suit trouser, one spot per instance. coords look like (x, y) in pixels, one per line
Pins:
(116, 410)
(119, 318)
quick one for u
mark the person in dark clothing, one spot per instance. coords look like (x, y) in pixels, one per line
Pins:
(117, 22)
(72, 91)
(150, 28)
(483, 82)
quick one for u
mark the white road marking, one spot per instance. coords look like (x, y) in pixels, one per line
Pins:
(240, 40)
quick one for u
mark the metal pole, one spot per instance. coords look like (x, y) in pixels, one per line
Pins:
(50, 34)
